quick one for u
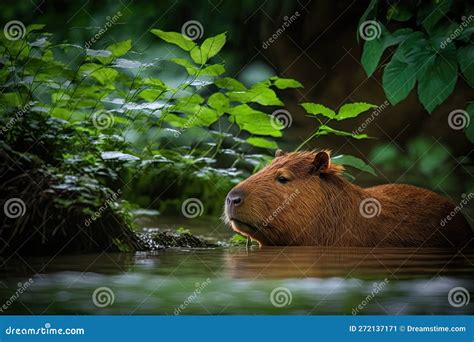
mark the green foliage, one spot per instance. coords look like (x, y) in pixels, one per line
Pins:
(238, 240)
(204, 111)
(209, 48)
(354, 162)
(347, 111)
(175, 38)
(429, 51)
(121, 121)
(182, 230)
(427, 163)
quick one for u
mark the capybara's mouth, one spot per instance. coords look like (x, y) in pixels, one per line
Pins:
(251, 231)
(243, 227)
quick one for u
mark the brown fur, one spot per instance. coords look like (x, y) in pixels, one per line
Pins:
(317, 206)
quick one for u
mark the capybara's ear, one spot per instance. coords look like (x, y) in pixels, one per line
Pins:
(321, 162)
(279, 153)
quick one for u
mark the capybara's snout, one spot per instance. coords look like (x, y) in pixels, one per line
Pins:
(234, 203)
(235, 198)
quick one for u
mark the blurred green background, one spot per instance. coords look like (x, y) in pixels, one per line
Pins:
(320, 49)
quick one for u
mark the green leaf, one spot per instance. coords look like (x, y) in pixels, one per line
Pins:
(115, 50)
(61, 113)
(237, 240)
(284, 83)
(352, 110)
(10, 99)
(175, 38)
(208, 49)
(262, 142)
(371, 54)
(432, 11)
(34, 27)
(218, 101)
(258, 93)
(438, 81)
(229, 84)
(466, 62)
(105, 76)
(191, 69)
(316, 108)
(197, 115)
(254, 121)
(192, 99)
(121, 48)
(348, 160)
(398, 79)
(212, 70)
(412, 57)
(373, 49)
(326, 130)
(150, 95)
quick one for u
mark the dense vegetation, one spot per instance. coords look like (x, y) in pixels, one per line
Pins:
(85, 129)
(435, 54)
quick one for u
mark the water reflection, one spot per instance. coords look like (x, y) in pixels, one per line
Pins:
(240, 281)
(304, 262)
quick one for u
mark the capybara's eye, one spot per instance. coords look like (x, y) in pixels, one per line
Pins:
(282, 179)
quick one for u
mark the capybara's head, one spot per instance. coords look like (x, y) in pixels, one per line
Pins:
(276, 205)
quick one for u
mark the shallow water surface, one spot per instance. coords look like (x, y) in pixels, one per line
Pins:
(291, 280)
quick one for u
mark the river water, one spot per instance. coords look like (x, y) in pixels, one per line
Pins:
(291, 280)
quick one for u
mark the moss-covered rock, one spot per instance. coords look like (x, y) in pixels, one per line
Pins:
(169, 239)
(47, 211)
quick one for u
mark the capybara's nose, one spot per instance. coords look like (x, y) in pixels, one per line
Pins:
(235, 198)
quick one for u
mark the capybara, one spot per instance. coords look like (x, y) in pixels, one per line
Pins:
(301, 198)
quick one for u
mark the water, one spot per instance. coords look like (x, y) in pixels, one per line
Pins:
(292, 280)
